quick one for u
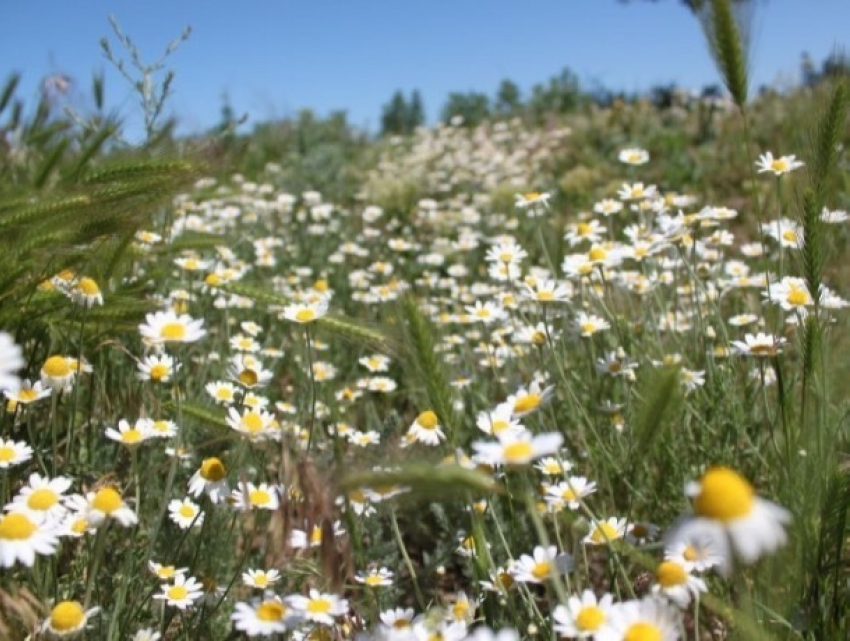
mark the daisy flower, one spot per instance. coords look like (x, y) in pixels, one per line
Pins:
(182, 593)
(582, 616)
(646, 619)
(636, 191)
(786, 232)
(157, 368)
(169, 327)
(518, 447)
(223, 393)
(265, 618)
(569, 493)
(527, 400)
(67, 619)
(531, 200)
(107, 503)
(603, 532)
(185, 513)
(263, 496)
(86, 292)
(256, 424)
(791, 293)
(249, 372)
(589, 324)
(548, 291)
(426, 429)
(675, 581)
(260, 579)
(319, 607)
(761, 344)
(697, 551)
(607, 207)
(498, 420)
(13, 453)
(488, 312)
(28, 393)
(777, 166)
(376, 578)
(165, 572)
(131, 436)
(728, 512)
(633, 156)
(57, 373)
(21, 538)
(537, 567)
(211, 479)
(306, 312)
(375, 363)
(41, 498)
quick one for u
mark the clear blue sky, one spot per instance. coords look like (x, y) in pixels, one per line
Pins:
(275, 57)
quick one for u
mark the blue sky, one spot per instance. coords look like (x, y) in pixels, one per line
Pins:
(275, 57)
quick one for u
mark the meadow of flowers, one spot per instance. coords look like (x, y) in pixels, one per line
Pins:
(454, 405)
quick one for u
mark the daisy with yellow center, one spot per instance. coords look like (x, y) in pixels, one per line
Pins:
(674, 580)
(255, 424)
(528, 400)
(582, 616)
(210, 478)
(182, 593)
(42, 498)
(777, 166)
(13, 453)
(165, 572)
(303, 313)
(57, 373)
(22, 538)
(517, 447)
(86, 292)
(223, 393)
(185, 513)
(27, 394)
(539, 566)
(648, 620)
(260, 579)
(131, 436)
(376, 578)
(67, 619)
(169, 327)
(604, 532)
(158, 368)
(426, 429)
(262, 497)
(269, 617)
(729, 514)
(107, 503)
(319, 607)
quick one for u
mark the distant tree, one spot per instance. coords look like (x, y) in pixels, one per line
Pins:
(508, 99)
(394, 117)
(561, 95)
(473, 107)
(415, 116)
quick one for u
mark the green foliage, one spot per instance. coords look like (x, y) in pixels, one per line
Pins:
(725, 28)
(472, 107)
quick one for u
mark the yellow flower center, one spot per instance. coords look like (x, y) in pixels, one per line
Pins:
(642, 631)
(253, 422)
(316, 535)
(604, 532)
(459, 609)
(212, 469)
(6, 454)
(88, 287)
(79, 526)
(57, 367)
(259, 497)
(583, 229)
(670, 573)
(213, 280)
(187, 511)
(319, 606)
(504, 581)
(66, 616)
(271, 611)
(538, 338)
(166, 572)
(790, 235)
(374, 580)
(798, 296)
(42, 499)
(724, 495)
(779, 165)
(545, 296)
(16, 527)
(248, 377)
(107, 500)
(27, 395)
(519, 452)
(321, 285)
(173, 331)
(177, 593)
(690, 554)
(568, 495)
(590, 618)
(224, 394)
(131, 436)
(427, 420)
(499, 425)
(532, 195)
(159, 371)
(588, 328)
(541, 570)
(527, 403)
(305, 315)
